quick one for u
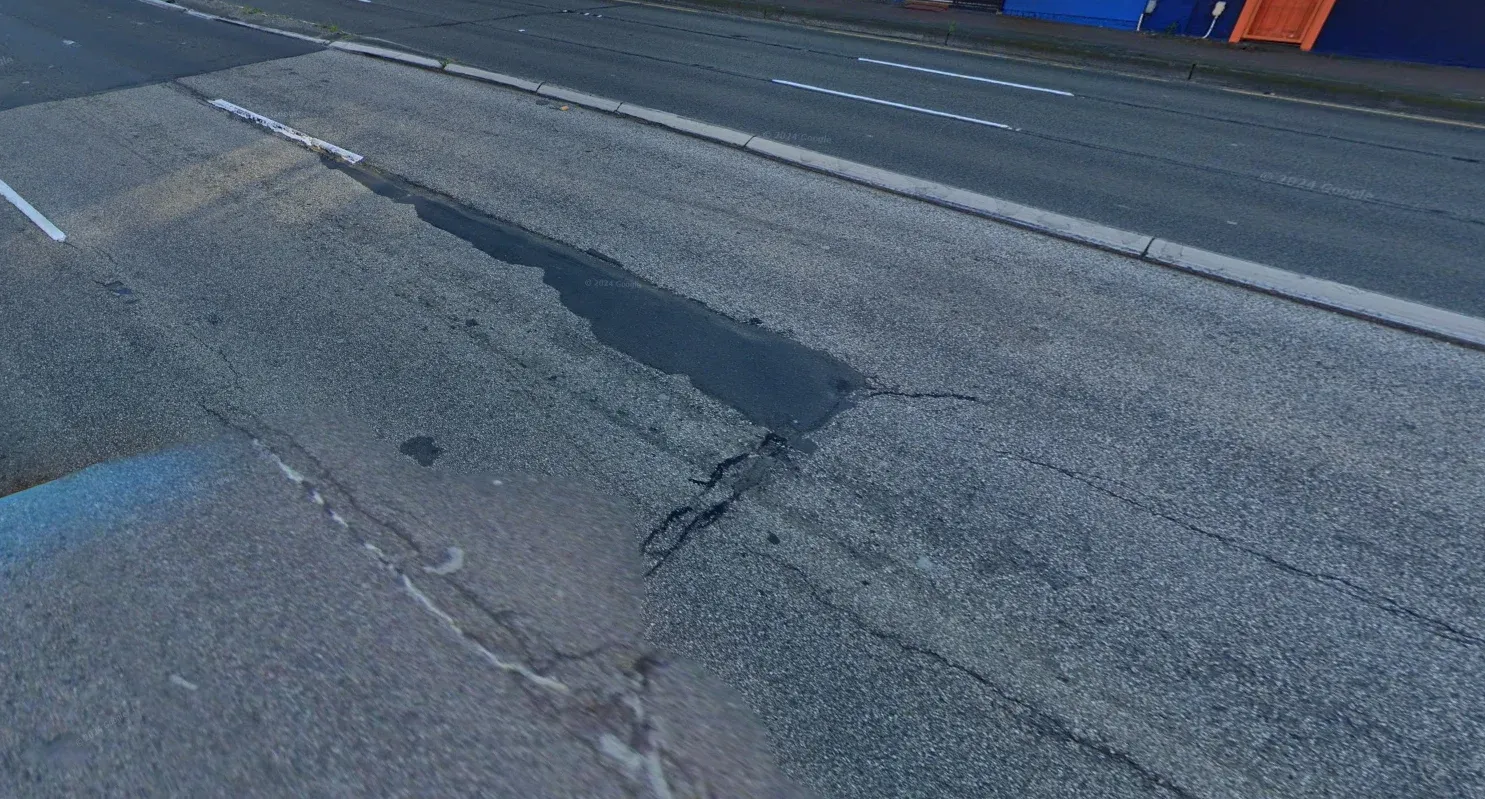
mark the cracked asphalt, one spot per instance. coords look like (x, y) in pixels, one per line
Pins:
(1086, 527)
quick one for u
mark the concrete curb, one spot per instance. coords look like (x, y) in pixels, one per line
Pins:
(578, 98)
(230, 21)
(1327, 294)
(703, 130)
(390, 55)
(1065, 227)
(266, 29)
(1402, 314)
(492, 77)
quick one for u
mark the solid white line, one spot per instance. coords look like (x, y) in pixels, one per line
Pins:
(920, 110)
(31, 213)
(288, 132)
(1028, 87)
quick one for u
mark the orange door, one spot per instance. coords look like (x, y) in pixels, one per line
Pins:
(1293, 21)
(1282, 20)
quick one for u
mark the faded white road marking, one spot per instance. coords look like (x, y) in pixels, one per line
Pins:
(453, 564)
(288, 471)
(919, 109)
(513, 667)
(31, 213)
(494, 660)
(288, 132)
(1026, 86)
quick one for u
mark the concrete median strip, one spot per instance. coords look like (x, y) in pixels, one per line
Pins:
(1339, 297)
(578, 98)
(1349, 300)
(1066, 227)
(704, 130)
(390, 55)
(230, 21)
(292, 35)
(493, 77)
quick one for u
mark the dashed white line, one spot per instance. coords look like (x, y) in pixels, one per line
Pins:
(31, 213)
(919, 109)
(1026, 86)
(288, 132)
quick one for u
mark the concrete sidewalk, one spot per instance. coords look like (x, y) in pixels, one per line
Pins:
(1452, 92)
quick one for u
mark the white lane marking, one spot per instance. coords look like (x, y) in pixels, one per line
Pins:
(31, 213)
(1026, 86)
(288, 132)
(920, 110)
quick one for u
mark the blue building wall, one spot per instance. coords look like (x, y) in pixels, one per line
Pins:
(1181, 17)
(1432, 31)
(1191, 18)
(1103, 13)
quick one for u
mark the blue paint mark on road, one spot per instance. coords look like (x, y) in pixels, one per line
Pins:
(73, 509)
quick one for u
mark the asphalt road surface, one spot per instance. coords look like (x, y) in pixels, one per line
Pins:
(991, 515)
(1390, 204)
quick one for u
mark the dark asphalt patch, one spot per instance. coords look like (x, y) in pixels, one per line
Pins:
(421, 449)
(775, 382)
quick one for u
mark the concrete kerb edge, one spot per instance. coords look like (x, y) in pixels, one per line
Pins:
(1351, 301)
(238, 22)
(388, 54)
(266, 29)
(1340, 298)
(578, 98)
(474, 73)
(694, 127)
